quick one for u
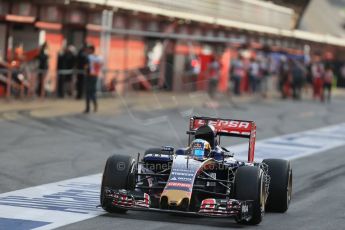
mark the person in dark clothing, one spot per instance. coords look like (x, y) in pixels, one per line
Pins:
(69, 64)
(298, 76)
(341, 77)
(284, 79)
(94, 70)
(82, 61)
(61, 76)
(66, 65)
(42, 68)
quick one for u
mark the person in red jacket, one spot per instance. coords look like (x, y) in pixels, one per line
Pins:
(317, 71)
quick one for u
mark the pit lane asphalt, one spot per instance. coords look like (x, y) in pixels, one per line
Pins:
(36, 151)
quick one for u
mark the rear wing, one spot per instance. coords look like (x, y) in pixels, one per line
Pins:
(228, 127)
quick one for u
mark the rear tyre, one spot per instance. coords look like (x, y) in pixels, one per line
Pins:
(117, 175)
(249, 185)
(280, 188)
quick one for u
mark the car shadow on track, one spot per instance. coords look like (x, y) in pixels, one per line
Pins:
(175, 218)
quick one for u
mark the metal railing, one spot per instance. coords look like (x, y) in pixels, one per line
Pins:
(22, 84)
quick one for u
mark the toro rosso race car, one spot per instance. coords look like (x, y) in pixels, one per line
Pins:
(203, 179)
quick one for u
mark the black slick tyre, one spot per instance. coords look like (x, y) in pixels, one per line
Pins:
(249, 185)
(117, 175)
(280, 188)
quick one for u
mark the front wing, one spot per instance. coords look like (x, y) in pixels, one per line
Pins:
(241, 210)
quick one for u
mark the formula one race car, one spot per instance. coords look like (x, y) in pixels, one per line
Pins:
(203, 179)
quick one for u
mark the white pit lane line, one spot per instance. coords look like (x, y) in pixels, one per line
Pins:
(65, 202)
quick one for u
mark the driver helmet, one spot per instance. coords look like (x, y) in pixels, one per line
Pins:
(207, 133)
(200, 149)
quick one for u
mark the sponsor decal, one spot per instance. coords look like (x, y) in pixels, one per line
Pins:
(182, 174)
(225, 124)
(167, 149)
(176, 169)
(150, 181)
(184, 178)
(198, 145)
(213, 175)
(208, 203)
(211, 166)
(244, 208)
(178, 184)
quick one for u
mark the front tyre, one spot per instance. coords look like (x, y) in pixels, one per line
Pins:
(280, 188)
(249, 185)
(117, 175)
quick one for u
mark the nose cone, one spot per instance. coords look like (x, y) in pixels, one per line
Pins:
(175, 198)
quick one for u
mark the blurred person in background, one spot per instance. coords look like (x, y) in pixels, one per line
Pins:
(264, 74)
(4, 66)
(82, 61)
(15, 65)
(95, 64)
(69, 66)
(65, 67)
(254, 75)
(341, 78)
(60, 75)
(214, 73)
(327, 83)
(237, 73)
(317, 71)
(42, 68)
(309, 78)
(284, 77)
(298, 79)
(192, 68)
